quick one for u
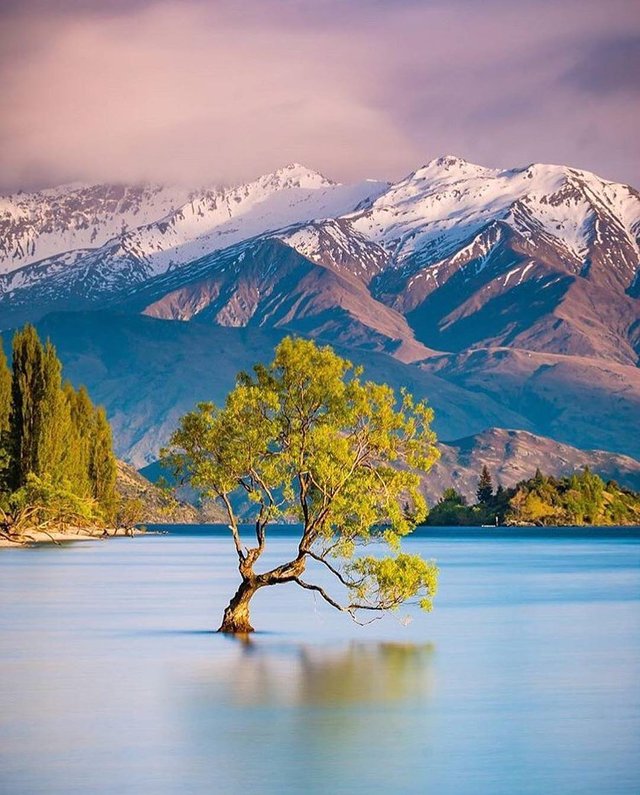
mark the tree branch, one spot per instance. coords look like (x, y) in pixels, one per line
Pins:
(333, 570)
(351, 609)
(310, 587)
(233, 526)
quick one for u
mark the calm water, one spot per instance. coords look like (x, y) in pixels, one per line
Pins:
(525, 679)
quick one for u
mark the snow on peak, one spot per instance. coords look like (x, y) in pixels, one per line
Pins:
(433, 211)
(38, 225)
(449, 167)
(295, 175)
(447, 201)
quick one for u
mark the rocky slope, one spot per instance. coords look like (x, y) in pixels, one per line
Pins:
(542, 258)
(177, 228)
(156, 506)
(36, 226)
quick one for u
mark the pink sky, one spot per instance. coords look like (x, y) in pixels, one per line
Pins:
(202, 92)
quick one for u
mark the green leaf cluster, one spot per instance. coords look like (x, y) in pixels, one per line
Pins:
(306, 438)
(391, 581)
(582, 498)
(53, 441)
(42, 503)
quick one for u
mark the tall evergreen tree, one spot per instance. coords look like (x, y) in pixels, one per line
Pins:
(27, 392)
(5, 410)
(55, 420)
(102, 467)
(484, 492)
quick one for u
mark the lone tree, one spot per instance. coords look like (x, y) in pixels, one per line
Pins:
(305, 437)
(484, 492)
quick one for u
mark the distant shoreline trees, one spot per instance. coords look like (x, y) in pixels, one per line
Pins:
(581, 499)
(56, 453)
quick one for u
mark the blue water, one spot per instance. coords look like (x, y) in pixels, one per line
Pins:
(525, 678)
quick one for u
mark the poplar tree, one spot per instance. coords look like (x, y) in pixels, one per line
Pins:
(5, 408)
(55, 431)
(102, 466)
(78, 463)
(56, 451)
(53, 448)
(5, 391)
(27, 391)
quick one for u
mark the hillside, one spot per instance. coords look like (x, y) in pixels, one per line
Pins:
(512, 456)
(155, 505)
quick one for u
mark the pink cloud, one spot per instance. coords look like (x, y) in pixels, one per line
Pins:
(201, 92)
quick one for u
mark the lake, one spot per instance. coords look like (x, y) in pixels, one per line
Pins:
(524, 679)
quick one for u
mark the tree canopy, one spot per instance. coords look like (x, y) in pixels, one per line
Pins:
(582, 498)
(56, 456)
(305, 438)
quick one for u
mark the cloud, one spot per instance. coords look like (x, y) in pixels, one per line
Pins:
(609, 66)
(201, 92)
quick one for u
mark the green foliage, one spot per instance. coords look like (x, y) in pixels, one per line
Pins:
(484, 492)
(5, 409)
(389, 582)
(102, 463)
(130, 512)
(452, 509)
(581, 499)
(305, 437)
(51, 432)
(5, 390)
(27, 395)
(43, 504)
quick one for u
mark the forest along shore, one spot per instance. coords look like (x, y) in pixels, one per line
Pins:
(59, 477)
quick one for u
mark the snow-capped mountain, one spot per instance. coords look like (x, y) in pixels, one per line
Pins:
(508, 298)
(544, 258)
(177, 233)
(35, 226)
(455, 255)
(441, 206)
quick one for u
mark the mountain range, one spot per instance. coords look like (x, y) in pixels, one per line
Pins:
(509, 298)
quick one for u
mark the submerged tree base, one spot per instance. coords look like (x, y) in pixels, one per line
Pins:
(235, 627)
(235, 620)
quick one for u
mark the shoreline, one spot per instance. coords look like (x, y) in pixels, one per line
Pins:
(60, 537)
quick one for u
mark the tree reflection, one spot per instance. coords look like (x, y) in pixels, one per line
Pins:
(305, 674)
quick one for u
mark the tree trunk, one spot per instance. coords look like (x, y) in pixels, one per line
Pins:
(236, 616)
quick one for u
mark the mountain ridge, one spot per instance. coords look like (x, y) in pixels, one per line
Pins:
(457, 249)
(512, 296)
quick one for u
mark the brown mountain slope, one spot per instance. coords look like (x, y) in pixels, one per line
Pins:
(504, 289)
(269, 284)
(586, 402)
(156, 506)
